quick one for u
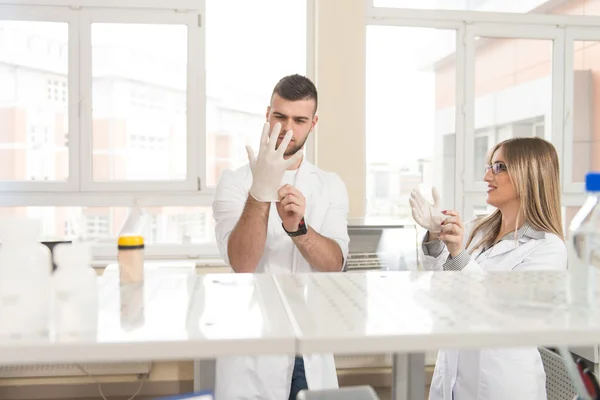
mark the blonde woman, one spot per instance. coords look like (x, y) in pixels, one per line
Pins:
(524, 233)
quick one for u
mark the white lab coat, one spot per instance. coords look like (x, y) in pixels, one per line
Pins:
(269, 377)
(506, 373)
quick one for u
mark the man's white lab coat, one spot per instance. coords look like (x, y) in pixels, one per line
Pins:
(269, 377)
(495, 374)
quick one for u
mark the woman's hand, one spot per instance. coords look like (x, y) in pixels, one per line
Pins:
(452, 233)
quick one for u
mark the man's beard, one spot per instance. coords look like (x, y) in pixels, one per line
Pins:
(291, 151)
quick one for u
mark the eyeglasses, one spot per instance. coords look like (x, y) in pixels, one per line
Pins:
(496, 167)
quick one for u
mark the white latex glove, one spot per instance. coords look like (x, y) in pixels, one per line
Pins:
(429, 216)
(270, 166)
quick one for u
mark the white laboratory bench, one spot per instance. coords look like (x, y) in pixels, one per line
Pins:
(420, 311)
(405, 313)
(171, 317)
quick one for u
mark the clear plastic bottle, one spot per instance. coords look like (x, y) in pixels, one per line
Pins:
(25, 271)
(75, 313)
(583, 244)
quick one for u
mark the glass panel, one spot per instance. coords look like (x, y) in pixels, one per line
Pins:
(410, 117)
(34, 111)
(513, 92)
(176, 225)
(482, 145)
(585, 115)
(475, 207)
(583, 7)
(139, 91)
(242, 70)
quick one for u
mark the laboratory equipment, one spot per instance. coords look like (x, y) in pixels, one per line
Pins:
(25, 270)
(583, 243)
(382, 247)
(75, 311)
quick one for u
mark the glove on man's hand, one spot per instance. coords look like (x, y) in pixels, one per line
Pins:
(270, 166)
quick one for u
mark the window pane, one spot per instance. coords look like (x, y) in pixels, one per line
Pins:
(475, 207)
(176, 225)
(245, 57)
(410, 117)
(585, 116)
(513, 92)
(34, 89)
(513, 6)
(139, 91)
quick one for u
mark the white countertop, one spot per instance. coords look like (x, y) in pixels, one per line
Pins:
(184, 316)
(352, 313)
(174, 316)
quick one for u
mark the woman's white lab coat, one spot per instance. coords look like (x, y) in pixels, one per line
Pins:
(268, 377)
(506, 373)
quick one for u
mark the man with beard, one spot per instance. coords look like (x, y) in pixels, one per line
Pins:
(281, 214)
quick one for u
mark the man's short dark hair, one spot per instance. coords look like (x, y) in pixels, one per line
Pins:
(296, 87)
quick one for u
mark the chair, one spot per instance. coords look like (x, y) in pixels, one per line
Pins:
(558, 381)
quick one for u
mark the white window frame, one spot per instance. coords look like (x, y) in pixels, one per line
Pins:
(81, 191)
(473, 184)
(572, 35)
(70, 17)
(460, 115)
(195, 110)
(562, 29)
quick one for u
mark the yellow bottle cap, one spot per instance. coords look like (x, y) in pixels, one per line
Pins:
(131, 241)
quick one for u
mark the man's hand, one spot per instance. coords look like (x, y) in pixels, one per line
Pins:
(291, 207)
(270, 166)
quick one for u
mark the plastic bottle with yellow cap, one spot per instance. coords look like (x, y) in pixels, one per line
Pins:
(131, 258)
(130, 254)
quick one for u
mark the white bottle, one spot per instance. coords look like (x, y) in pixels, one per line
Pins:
(75, 311)
(25, 271)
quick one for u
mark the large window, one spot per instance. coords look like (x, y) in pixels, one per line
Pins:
(242, 69)
(103, 107)
(410, 112)
(500, 77)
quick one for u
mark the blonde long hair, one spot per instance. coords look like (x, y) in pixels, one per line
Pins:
(532, 165)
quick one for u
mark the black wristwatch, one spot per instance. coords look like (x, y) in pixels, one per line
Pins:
(302, 230)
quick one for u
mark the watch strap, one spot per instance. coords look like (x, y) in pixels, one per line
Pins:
(302, 230)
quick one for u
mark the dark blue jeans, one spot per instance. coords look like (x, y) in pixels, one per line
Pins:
(298, 378)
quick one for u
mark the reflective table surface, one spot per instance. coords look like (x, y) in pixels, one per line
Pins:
(185, 316)
(352, 313)
(172, 317)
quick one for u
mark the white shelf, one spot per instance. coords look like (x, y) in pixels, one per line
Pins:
(379, 312)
